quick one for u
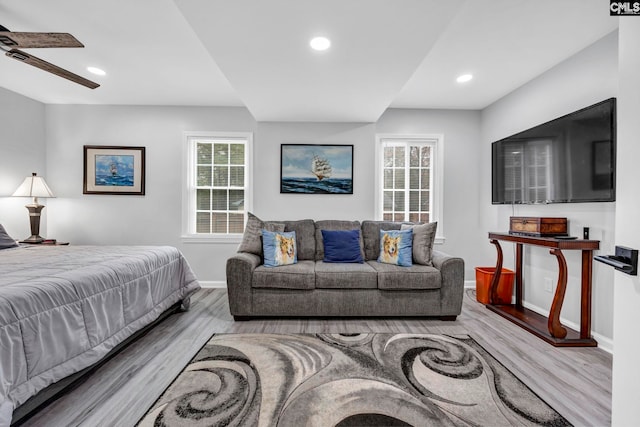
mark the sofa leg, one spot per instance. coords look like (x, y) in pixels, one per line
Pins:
(448, 318)
(241, 318)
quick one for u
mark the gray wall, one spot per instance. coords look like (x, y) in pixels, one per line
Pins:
(461, 129)
(156, 217)
(153, 219)
(588, 77)
(22, 151)
(270, 204)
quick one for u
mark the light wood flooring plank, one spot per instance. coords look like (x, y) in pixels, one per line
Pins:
(575, 381)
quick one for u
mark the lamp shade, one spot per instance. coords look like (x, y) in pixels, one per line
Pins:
(33, 186)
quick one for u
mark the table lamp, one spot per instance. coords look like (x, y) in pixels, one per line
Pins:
(34, 186)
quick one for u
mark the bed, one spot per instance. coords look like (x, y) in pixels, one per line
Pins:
(64, 308)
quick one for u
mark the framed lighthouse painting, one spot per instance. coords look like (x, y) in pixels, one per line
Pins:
(316, 169)
(114, 170)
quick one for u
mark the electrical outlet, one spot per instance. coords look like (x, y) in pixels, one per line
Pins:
(548, 284)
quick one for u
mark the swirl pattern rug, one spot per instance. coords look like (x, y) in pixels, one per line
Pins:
(341, 380)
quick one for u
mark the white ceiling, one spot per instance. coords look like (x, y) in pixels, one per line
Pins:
(254, 53)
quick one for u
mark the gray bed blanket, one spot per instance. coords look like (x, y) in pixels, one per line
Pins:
(63, 308)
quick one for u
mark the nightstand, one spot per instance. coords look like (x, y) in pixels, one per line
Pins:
(48, 242)
(54, 243)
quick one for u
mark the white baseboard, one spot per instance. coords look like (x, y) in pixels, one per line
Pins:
(213, 284)
(604, 343)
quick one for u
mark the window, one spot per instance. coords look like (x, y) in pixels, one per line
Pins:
(409, 178)
(217, 192)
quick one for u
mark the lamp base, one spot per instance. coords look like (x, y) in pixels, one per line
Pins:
(34, 220)
(33, 239)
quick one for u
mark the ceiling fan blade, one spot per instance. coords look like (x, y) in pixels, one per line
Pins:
(47, 66)
(36, 40)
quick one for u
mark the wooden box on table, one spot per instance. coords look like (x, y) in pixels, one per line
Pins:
(537, 226)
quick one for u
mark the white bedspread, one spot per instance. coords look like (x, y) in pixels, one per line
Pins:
(63, 308)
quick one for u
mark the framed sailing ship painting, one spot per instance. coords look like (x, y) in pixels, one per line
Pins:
(316, 169)
(113, 170)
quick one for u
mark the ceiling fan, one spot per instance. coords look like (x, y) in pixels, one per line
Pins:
(10, 41)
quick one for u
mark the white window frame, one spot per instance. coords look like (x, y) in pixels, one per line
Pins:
(436, 141)
(189, 185)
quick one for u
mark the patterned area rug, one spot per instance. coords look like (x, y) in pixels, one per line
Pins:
(347, 380)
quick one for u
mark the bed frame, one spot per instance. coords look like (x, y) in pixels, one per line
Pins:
(36, 403)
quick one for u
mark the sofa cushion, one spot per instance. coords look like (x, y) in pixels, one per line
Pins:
(371, 236)
(341, 246)
(305, 237)
(394, 277)
(424, 235)
(252, 237)
(293, 276)
(334, 225)
(396, 247)
(279, 248)
(345, 276)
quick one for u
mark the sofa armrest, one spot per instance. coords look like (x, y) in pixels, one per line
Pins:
(239, 276)
(452, 271)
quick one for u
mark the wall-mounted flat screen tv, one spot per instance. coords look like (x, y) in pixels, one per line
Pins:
(568, 160)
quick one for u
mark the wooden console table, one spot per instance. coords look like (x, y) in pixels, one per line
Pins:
(549, 329)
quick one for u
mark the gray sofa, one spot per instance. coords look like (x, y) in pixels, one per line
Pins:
(312, 287)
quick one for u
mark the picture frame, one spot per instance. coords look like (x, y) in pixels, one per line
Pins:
(316, 169)
(114, 170)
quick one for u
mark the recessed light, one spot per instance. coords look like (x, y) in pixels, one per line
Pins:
(320, 43)
(96, 71)
(464, 78)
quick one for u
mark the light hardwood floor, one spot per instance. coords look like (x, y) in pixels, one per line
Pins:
(575, 381)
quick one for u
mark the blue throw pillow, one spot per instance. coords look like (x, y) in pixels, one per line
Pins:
(279, 248)
(396, 247)
(341, 246)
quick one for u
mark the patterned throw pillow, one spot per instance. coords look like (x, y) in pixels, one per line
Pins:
(252, 238)
(279, 248)
(396, 247)
(424, 236)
